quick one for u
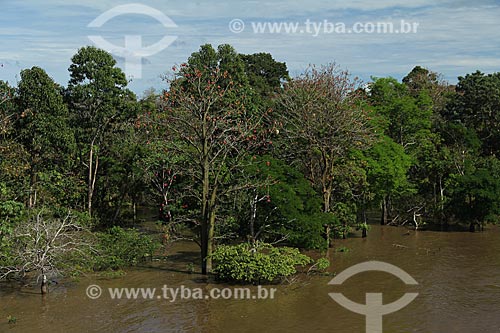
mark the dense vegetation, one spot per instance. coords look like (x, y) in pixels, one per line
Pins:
(234, 150)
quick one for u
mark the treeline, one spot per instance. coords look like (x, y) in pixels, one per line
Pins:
(235, 149)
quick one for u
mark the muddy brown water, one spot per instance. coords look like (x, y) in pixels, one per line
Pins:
(458, 275)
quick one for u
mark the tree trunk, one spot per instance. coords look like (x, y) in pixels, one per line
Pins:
(32, 195)
(210, 241)
(326, 200)
(383, 219)
(364, 230)
(204, 247)
(327, 236)
(326, 208)
(253, 216)
(44, 286)
(134, 208)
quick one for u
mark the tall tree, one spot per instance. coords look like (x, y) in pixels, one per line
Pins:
(324, 119)
(387, 169)
(42, 126)
(6, 108)
(265, 74)
(477, 106)
(208, 120)
(98, 98)
(408, 118)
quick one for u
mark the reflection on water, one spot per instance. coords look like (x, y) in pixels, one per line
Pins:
(458, 275)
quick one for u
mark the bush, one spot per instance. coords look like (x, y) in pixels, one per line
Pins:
(249, 263)
(320, 266)
(119, 248)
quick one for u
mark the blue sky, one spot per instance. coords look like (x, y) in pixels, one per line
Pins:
(453, 38)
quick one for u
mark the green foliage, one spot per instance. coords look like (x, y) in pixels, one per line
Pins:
(43, 121)
(408, 117)
(292, 208)
(320, 265)
(387, 168)
(11, 213)
(119, 248)
(265, 74)
(475, 105)
(344, 215)
(342, 249)
(475, 196)
(11, 319)
(257, 263)
(202, 149)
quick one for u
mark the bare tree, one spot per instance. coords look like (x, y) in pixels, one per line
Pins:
(41, 245)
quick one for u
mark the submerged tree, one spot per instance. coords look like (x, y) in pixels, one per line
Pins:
(42, 244)
(323, 119)
(43, 127)
(207, 119)
(98, 98)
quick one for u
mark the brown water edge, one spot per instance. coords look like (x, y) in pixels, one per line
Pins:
(458, 275)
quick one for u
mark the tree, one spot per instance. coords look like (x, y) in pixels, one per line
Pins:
(323, 119)
(42, 127)
(265, 74)
(6, 109)
(286, 208)
(424, 80)
(387, 170)
(42, 244)
(474, 197)
(207, 119)
(98, 97)
(13, 156)
(408, 119)
(476, 105)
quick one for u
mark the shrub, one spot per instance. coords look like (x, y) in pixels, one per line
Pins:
(322, 264)
(119, 248)
(250, 263)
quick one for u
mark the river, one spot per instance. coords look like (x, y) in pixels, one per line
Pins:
(458, 275)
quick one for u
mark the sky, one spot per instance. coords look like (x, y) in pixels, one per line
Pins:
(453, 37)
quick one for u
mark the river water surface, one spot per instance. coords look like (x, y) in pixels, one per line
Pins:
(458, 275)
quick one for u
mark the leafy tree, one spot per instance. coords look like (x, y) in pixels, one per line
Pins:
(42, 127)
(476, 105)
(13, 156)
(99, 101)
(265, 74)
(207, 119)
(408, 119)
(421, 80)
(7, 109)
(387, 169)
(286, 208)
(475, 195)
